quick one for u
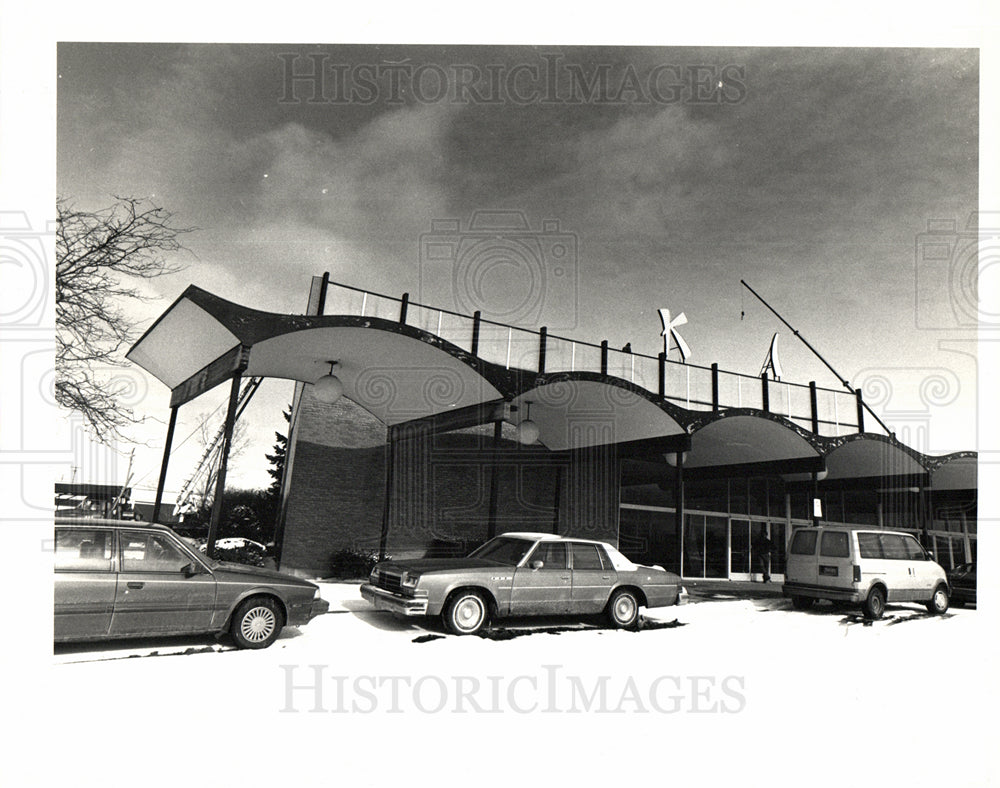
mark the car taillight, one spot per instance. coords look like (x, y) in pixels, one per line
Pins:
(857, 573)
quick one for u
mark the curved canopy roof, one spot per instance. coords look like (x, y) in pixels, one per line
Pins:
(402, 374)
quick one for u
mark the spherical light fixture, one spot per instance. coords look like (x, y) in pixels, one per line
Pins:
(527, 430)
(328, 388)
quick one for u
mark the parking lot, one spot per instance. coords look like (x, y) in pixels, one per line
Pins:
(354, 685)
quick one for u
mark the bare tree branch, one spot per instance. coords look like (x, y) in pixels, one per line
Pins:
(98, 256)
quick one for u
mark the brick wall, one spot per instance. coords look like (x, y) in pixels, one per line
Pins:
(440, 493)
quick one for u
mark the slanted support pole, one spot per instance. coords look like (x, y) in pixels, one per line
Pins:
(163, 464)
(220, 481)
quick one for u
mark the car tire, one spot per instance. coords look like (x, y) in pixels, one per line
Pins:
(623, 609)
(256, 623)
(466, 613)
(874, 605)
(939, 602)
(802, 602)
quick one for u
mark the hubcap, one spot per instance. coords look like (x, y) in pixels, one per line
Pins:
(258, 624)
(469, 613)
(939, 600)
(625, 609)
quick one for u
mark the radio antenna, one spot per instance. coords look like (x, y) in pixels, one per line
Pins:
(817, 354)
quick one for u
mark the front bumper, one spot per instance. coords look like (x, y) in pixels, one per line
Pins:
(394, 603)
(305, 612)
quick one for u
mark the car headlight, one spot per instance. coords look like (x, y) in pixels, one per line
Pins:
(409, 580)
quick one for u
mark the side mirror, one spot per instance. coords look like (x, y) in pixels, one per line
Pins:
(191, 569)
(536, 564)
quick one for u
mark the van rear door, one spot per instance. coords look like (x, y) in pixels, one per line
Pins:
(834, 567)
(800, 565)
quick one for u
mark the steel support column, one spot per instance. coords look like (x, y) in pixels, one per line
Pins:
(163, 464)
(220, 480)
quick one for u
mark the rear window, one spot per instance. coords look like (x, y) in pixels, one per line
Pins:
(586, 556)
(834, 544)
(80, 550)
(803, 543)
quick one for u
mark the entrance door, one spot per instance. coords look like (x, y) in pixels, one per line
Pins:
(706, 547)
(748, 548)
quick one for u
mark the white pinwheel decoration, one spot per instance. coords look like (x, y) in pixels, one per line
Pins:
(670, 332)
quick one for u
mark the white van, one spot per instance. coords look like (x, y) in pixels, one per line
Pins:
(868, 566)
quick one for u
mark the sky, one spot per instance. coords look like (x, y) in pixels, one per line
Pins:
(811, 173)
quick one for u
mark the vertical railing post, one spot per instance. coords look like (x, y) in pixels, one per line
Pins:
(403, 304)
(542, 336)
(715, 387)
(814, 407)
(662, 365)
(477, 319)
(764, 401)
(861, 411)
(604, 357)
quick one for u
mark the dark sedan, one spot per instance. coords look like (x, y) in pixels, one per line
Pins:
(116, 579)
(962, 580)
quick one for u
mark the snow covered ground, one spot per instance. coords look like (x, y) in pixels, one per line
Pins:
(711, 691)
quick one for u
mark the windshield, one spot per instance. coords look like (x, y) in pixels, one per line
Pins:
(503, 550)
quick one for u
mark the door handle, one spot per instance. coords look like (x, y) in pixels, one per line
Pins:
(564, 577)
(135, 584)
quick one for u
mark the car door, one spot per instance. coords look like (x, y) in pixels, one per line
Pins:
(593, 578)
(900, 575)
(155, 593)
(84, 582)
(926, 573)
(835, 567)
(543, 589)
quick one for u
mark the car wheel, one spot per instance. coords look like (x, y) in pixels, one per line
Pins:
(256, 623)
(802, 602)
(875, 603)
(465, 613)
(939, 602)
(623, 608)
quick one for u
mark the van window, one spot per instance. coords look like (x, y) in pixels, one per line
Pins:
(893, 547)
(913, 549)
(869, 545)
(834, 544)
(803, 543)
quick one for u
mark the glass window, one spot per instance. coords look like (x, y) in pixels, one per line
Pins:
(913, 549)
(551, 554)
(834, 544)
(83, 550)
(803, 543)
(778, 551)
(145, 552)
(585, 556)
(893, 547)
(757, 497)
(869, 545)
(503, 550)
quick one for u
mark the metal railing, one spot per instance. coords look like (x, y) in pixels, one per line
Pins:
(828, 412)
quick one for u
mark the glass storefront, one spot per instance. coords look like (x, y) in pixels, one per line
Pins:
(727, 520)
